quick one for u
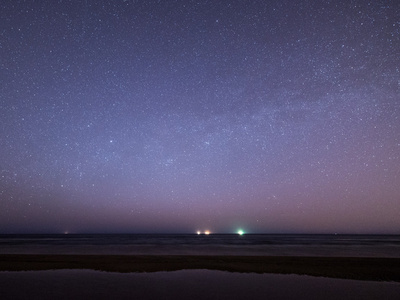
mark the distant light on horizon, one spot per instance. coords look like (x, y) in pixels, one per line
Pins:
(206, 232)
(240, 232)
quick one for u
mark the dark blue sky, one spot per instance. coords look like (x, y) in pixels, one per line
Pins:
(178, 116)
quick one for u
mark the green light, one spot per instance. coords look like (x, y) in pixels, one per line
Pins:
(240, 232)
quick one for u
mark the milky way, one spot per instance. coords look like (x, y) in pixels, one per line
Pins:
(178, 116)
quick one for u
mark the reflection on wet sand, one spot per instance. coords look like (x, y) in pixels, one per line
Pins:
(185, 284)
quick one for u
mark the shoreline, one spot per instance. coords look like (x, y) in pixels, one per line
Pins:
(357, 268)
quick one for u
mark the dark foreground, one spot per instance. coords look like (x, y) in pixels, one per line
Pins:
(359, 268)
(186, 284)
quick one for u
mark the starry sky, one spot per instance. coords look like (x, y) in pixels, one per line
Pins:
(176, 116)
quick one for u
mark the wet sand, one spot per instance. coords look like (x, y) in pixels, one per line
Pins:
(359, 268)
(186, 284)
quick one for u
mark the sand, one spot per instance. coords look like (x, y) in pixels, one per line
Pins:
(359, 268)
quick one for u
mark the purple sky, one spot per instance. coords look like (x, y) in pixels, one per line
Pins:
(178, 116)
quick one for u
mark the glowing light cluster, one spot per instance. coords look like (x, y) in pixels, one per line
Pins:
(207, 232)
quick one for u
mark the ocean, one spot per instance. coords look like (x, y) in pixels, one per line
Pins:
(213, 244)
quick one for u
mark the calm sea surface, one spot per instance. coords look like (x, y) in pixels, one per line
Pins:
(214, 244)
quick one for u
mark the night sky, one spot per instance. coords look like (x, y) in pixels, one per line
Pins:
(142, 116)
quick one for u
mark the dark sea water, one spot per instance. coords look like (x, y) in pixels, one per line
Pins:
(214, 244)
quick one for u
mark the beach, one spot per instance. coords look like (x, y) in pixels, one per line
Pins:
(199, 267)
(359, 268)
(196, 277)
